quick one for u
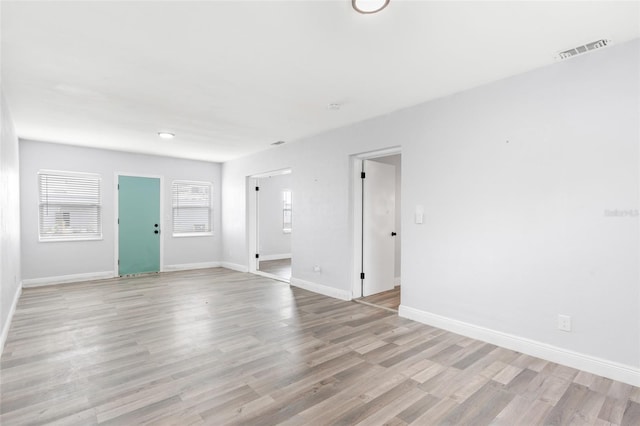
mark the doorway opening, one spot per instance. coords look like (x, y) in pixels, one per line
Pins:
(377, 228)
(270, 224)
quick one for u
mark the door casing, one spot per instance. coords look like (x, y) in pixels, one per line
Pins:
(116, 203)
(252, 221)
(356, 213)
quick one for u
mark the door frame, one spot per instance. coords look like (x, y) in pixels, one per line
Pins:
(356, 161)
(252, 221)
(116, 267)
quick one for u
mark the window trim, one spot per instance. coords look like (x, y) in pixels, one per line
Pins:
(284, 209)
(192, 234)
(72, 237)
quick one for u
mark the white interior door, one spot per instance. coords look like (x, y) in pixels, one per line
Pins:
(378, 222)
(257, 253)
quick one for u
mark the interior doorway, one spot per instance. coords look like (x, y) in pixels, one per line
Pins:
(377, 228)
(271, 224)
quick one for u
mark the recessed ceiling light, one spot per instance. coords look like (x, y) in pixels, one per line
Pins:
(277, 143)
(166, 135)
(334, 107)
(369, 6)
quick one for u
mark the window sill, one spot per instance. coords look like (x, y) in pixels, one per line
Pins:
(62, 240)
(193, 234)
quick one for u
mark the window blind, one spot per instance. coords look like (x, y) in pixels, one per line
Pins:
(69, 206)
(191, 208)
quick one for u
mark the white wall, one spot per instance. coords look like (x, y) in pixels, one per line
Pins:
(273, 243)
(396, 161)
(9, 221)
(321, 193)
(515, 178)
(48, 261)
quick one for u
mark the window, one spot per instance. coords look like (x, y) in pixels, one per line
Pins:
(69, 206)
(286, 211)
(191, 208)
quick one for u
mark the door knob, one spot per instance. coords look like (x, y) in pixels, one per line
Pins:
(156, 225)
(156, 231)
(393, 234)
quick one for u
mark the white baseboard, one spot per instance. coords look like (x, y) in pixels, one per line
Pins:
(62, 279)
(275, 256)
(321, 288)
(602, 367)
(234, 266)
(7, 324)
(396, 281)
(189, 266)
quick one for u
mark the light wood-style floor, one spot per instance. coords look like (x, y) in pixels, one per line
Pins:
(219, 347)
(387, 299)
(280, 268)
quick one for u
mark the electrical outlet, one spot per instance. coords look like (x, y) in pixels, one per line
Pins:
(564, 322)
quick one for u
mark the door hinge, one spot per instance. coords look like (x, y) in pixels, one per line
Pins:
(118, 221)
(362, 275)
(118, 187)
(362, 175)
(257, 256)
(118, 261)
(257, 188)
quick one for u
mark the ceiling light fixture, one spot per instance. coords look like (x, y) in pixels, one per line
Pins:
(277, 143)
(369, 6)
(166, 135)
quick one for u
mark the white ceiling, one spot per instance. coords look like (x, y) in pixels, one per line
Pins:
(229, 78)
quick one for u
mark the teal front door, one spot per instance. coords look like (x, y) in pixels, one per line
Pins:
(138, 225)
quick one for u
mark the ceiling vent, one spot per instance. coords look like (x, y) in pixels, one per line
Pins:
(594, 45)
